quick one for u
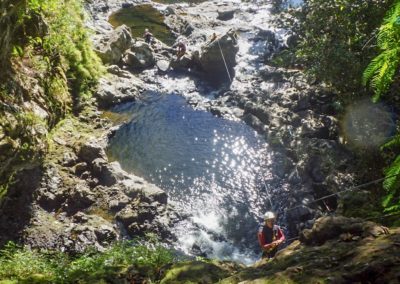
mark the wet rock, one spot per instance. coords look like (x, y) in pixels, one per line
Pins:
(211, 61)
(225, 14)
(327, 228)
(140, 56)
(258, 111)
(182, 63)
(114, 45)
(254, 122)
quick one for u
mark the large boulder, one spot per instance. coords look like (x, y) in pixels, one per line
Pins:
(140, 56)
(331, 227)
(112, 47)
(182, 63)
(213, 57)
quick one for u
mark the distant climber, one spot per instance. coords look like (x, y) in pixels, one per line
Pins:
(148, 36)
(181, 49)
(213, 37)
(270, 236)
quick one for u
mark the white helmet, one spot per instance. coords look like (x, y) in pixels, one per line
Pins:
(269, 215)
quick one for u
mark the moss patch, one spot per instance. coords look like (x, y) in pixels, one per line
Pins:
(196, 272)
(140, 17)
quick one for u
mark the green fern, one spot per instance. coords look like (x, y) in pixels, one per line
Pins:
(379, 75)
(381, 71)
(391, 202)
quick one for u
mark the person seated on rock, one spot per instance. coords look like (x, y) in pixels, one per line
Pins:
(213, 37)
(270, 236)
(181, 49)
(148, 36)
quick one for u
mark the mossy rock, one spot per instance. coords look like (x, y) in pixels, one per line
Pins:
(195, 272)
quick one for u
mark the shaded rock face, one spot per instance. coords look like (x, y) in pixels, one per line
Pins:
(217, 57)
(111, 48)
(81, 200)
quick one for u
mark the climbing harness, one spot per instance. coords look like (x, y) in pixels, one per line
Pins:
(223, 58)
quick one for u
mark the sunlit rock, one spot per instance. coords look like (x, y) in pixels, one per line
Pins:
(112, 47)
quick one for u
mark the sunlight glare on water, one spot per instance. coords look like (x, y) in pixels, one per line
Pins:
(211, 169)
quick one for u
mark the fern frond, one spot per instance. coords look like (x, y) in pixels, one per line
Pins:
(392, 185)
(372, 68)
(395, 141)
(380, 72)
(393, 208)
(392, 175)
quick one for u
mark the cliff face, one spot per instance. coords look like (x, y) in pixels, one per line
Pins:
(47, 68)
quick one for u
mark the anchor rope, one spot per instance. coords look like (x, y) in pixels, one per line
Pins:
(346, 190)
(223, 58)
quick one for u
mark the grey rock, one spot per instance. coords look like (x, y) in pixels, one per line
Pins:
(153, 193)
(327, 228)
(80, 198)
(140, 56)
(211, 61)
(114, 89)
(254, 122)
(91, 150)
(112, 48)
(184, 62)
(225, 14)
(108, 174)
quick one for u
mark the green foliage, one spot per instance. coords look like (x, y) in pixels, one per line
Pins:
(382, 69)
(334, 36)
(380, 75)
(18, 263)
(391, 202)
(29, 266)
(68, 42)
(55, 30)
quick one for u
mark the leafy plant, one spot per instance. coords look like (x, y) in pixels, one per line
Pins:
(381, 71)
(31, 266)
(380, 75)
(334, 39)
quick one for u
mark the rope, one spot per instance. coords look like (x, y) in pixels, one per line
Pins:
(268, 193)
(223, 58)
(350, 189)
